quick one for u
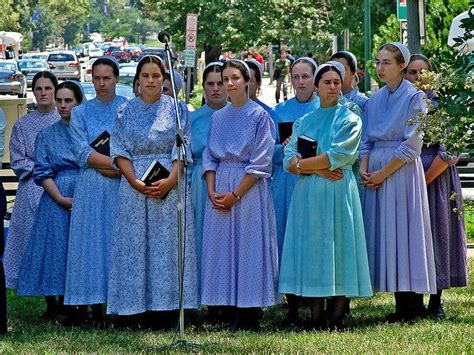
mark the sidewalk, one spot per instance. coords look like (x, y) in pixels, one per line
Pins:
(268, 93)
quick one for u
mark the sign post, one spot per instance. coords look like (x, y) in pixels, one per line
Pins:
(190, 51)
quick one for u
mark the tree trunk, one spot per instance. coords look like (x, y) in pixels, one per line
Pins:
(212, 53)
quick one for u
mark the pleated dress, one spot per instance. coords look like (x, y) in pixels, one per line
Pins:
(239, 248)
(144, 254)
(283, 183)
(43, 270)
(28, 194)
(93, 214)
(396, 215)
(324, 252)
(447, 226)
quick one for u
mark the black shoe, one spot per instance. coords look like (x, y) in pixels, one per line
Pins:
(316, 325)
(338, 326)
(48, 314)
(436, 312)
(291, 320)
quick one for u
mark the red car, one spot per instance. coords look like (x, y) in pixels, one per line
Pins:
(110, 50)
(121, 56)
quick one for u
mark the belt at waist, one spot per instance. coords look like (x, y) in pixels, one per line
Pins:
(387, 144)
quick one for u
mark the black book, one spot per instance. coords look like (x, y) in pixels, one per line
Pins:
(307, 146)
(154, 172)
(285, 129)
(102, 143)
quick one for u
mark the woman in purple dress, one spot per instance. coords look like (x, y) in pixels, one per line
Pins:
(22, 159)
(449, 234)
(239, 251)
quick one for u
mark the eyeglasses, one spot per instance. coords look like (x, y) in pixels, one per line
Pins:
(382, 63)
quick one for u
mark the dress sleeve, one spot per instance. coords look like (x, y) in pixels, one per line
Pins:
(21, 163)
(278, 152)
(209, 161)
(185, 125)
(291, 149)
(366, 144)
(118, 141)
(43, 167)
(410, 148)
(82, 149)
(264, 144)
(345, 143)
(447, 157)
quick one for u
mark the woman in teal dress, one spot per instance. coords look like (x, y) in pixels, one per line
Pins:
(324, 252)
(216, 98)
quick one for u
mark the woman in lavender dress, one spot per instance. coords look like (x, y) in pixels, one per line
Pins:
(239, 254)
(22, 153)
(395, 205)
(144, 256)
(43, 270)
(449, 234)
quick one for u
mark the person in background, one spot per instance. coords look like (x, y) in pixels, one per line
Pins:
(136, 86)
(239, 250)
(144, 251)
(167, 87)
(95, 194)
(324, 252)
(449, 233)
(281, 70)
(257, 56)
(22, 158)
(216, 99)
(43, 270)
(349, 86)
(395, 205)
(255, 83)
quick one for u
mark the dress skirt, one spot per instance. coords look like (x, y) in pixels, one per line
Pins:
(43, 270)
(90, 238)
(239, 253)
(198, 199)
(447, 227)
(397, 226)
(324, 253)
(144, 258)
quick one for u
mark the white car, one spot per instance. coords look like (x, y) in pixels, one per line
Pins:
(95, 52)
(88, 72)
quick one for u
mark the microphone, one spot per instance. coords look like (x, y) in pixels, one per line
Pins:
(163, 37)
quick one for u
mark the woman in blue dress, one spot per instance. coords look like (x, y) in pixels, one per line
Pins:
(239, 253)
(216, 98)
(324, 252)
(144, 254)
(396, 214)
(22, 155)
(255, 83)
(349, 85)
(43, 270)
(95, 194)
(305, 101)
(449, 233)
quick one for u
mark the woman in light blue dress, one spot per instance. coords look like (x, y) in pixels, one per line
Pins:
(324, 252)
(239, 253)
(95, 195)
(22, 155)
(396, 214)
(43, 270)
(216, 98)
(305, 101)
(144, 255)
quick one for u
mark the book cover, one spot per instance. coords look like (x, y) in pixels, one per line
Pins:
(285, 129)
(102, 143)
(307, 146)
(153, 173)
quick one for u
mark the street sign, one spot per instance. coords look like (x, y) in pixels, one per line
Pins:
(402, 13)
(191, 31)
(191, 39)
(191, 22)
(404, 32)
(189, 58)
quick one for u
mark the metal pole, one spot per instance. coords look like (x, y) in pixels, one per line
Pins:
(413, 23)
(188, 83)
(367, 43)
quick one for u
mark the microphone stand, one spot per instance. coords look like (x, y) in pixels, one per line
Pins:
(180, 342)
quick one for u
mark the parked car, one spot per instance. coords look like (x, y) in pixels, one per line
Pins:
(121, 56)
(154, 51)
(35, 55)
(29, 67)
(88, 73)
(12, 80)
(127, 72)
(134, 53)
(121, 89)
(111, 49)
(79, 50)
(95, 52)
(65, 65)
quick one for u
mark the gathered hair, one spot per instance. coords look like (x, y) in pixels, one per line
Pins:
(325, 69)
(78, 95)
(108, 62)
(393, 49)
(47, 75)
(419, 56)
(151, 59)
(237, 65)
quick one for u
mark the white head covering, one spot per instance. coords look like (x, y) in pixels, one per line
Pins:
(220, 64)
(308, 59)
(178, 80)
(241, 62)
(78, 84)
(328, 64)
(338, 66)
(112, 59)
(257, 64)
(403, 50)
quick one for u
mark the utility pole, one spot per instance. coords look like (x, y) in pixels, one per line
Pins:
(413, 24)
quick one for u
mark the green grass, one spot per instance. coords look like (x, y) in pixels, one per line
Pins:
(455, 334)
(469, 219)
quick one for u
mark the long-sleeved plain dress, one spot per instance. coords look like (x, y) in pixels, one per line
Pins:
(28, 194)
(324, 252)
(283, 183)
(396, 215)
(43, 270)
(144, 257)
(93, 214)
(239, 253)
